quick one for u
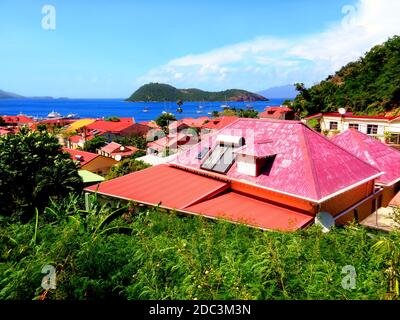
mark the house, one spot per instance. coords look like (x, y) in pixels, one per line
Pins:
(117, 151)
(217, 123)
(277, 112)
(108, 129)
(383, 157)
(269, 174)
(384, 128)
(92, 162)
(172, 143)
(78, 124)
(17, 121)
(89, 178)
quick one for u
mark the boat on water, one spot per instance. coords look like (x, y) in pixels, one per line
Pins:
(54, 115)
(249, 106)
(199, 111)
(145, 109)
(72, 116)
(225, 106)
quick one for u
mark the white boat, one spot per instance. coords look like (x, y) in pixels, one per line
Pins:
(72, 116)
(225, 106)
(145, 109)
(54, 115)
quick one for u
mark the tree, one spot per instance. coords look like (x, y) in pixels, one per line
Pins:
(33, 169)
(215, 114)
(179, 103)
(113, 119)
(2, 122)
(134, 140)
(164, 120)
(126, 166)
(94, 144)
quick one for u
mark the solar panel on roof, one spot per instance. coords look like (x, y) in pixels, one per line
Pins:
(220, 160)
(202, 153)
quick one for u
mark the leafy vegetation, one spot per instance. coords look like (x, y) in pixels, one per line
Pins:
(33, 169)
(165, 92)
(164, 120)
(94, 144)
(370, 85)
(113, 119)
(130, 252)
(135, 140)
(126, 166)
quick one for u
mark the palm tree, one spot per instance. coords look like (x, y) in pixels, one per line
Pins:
(179, 103)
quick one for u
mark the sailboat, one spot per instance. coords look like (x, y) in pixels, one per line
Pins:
(225, 105)
(145, 109)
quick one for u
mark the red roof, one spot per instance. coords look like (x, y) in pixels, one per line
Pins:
(306, 165)
(274, 112)
(243, 209)
(259, 149)
(348, 115)
(170, 187)
(110, 126)
(372, 151)
(178, 189)
(86, 156)
(114, 149)
(17, 119)
(219, 123)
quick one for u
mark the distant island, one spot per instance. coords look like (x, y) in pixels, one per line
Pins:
(164, 92)
(10, 95)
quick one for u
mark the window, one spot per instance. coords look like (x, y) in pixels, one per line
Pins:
(333, 125)
(353, 126)
(372, 129)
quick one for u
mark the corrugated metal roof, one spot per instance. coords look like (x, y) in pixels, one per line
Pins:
(372, 151)
(307, 164)
(162, 184)
(243, 209)
(79, 124)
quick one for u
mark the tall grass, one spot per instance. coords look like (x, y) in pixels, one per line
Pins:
(162, 256)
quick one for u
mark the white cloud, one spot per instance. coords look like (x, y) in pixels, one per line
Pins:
(268, 61)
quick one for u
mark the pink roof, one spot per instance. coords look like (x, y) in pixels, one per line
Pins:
(17, 119)
(348, 115)
(372, 151)
(111, 147)
(75, 139)
(87, 156)
(306, 165)
(195, 122)
(219, 123)
(258, 149)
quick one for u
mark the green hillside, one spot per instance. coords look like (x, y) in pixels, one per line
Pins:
(370, 85)
(165, 92)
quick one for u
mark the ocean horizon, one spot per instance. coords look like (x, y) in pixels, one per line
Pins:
(99, 108)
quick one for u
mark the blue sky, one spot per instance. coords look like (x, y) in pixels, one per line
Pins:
(105, 49)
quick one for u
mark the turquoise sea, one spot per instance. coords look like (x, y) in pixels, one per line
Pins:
(98, 108)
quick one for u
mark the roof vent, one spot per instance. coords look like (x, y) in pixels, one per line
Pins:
(79, 157)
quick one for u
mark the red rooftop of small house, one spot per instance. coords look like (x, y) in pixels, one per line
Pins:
(114, 148)
(17, 119)
(174, 188)
(86, 156)
(219, 123)
(306, 164)
(372, 151)
(274, 112)
(111, 126)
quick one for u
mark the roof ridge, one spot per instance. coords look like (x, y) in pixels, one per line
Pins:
(317, 188)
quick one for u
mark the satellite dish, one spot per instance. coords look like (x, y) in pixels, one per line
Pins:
(342, 111)
(122, 148)
(325, 220)
(118, 157)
